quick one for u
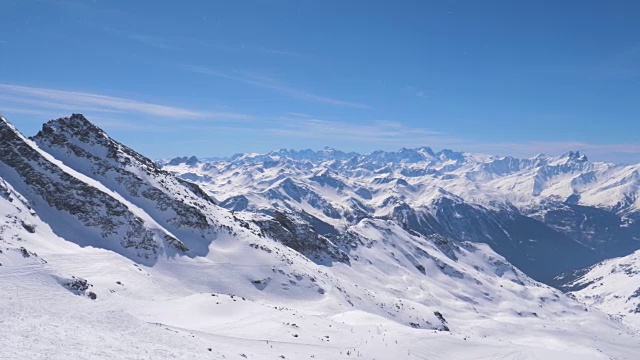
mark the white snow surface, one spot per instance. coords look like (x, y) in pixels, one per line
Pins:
(614, 287)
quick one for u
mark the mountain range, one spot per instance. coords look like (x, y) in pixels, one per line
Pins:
(546, 215)
(308, 254)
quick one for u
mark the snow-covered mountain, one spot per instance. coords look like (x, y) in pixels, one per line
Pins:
(546, 215)
(612, 286)
(103, 254)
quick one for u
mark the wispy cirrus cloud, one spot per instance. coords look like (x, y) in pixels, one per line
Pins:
(277, 86)
(298, 114)
(110, 123)
(148, 40)
(19, 110)
(620, 65)
(414, 90)
(373, 132)
(622, 152)
(624, 64)
(281, 52)
(46, 104)
(252, 48)
(174, 42)
(81, 101)
(390, 135)
(145, 39)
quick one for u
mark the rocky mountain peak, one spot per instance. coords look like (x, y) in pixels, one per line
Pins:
(192, 160)
(65, 197)
(576, 156)
(75, 125)
(450, 155)
(78, 135)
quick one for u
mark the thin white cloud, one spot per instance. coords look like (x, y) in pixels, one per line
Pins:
(18, 110)
(81, 101)
(531, 148)
(281, 52)
(149, 40)
(622, 65)
(109, 123)
(277, 86)
(376, 132)
(175, 42)
(414, 90)
(245, 48)
(388, 135)
(146, 39)
(45, 104)
(299, 114)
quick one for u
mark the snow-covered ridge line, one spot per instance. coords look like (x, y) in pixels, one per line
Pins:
(149, 221)
(410, 154)
(507, 179)
(176, 205)
(567, 204)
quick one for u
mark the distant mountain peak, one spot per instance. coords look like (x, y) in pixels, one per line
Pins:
(427, 150)
(576, 156)
(187, 160)
(450, 154)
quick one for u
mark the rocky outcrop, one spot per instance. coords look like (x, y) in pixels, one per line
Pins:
(176, 204)
(75, 201)
(297, 234)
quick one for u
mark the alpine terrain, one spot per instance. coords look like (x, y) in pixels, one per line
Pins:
(413, 254)
(545, 215)
(612, 286)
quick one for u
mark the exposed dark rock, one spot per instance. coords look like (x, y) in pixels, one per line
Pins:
(300, 236)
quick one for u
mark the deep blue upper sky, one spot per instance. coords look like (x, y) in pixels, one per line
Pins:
(214, 78)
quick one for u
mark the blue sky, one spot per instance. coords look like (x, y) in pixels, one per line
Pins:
(213, 78)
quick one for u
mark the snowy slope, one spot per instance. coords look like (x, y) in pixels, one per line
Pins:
(259, 287)
(547, 215)
(163, 312)
(612, 286)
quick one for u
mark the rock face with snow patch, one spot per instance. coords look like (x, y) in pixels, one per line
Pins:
(177, 205)
(297, 234)
(72, 206)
